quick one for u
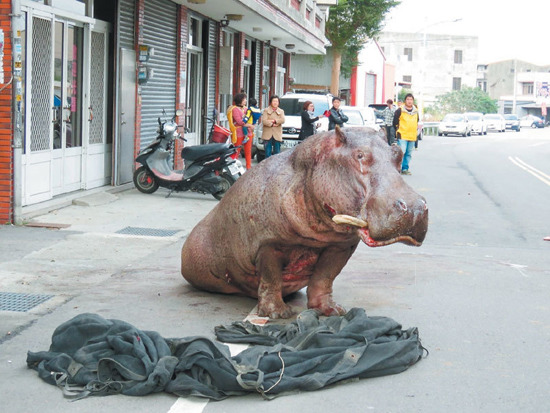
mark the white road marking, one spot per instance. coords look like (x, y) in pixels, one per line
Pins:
(541, 176)
(197, 404)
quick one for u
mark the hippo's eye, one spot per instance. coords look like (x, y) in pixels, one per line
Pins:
(360, 155)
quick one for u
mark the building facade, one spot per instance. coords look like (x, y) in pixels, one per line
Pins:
(83, 82)
(519, 87)
(431, 64)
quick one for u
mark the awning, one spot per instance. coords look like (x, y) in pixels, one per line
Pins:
(263, 21)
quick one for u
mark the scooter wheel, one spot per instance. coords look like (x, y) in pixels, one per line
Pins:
(144, 181)
(227, 181)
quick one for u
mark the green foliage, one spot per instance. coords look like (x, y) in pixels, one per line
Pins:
(351, 23)
(402, 93)
(468, 99)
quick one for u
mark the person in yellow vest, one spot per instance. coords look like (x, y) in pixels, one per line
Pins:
(405, 122)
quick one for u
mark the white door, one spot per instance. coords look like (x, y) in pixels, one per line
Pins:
(193, 99)
(65, 127)
(98, 148)
(68, 94)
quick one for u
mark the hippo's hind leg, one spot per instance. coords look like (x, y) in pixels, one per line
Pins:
(269, 265)
(319, 290)
(199, 266)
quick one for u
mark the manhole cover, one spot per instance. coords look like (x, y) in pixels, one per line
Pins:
(148, 232)
(21, 302)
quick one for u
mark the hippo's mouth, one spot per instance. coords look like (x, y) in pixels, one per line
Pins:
(363, 232)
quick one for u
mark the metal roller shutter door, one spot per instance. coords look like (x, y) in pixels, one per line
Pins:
(160, 33)
(212, 69)
(126, 15)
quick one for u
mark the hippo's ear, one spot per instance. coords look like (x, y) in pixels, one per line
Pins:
(340, 136)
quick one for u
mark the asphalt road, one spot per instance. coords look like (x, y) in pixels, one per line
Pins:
(477, 289)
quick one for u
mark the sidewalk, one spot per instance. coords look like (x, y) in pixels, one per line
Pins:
(116, 243)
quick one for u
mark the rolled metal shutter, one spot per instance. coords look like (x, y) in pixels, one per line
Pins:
(160, 33)
(211, 91)
(126, 28)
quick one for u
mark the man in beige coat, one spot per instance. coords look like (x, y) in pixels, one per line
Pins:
(272, 120)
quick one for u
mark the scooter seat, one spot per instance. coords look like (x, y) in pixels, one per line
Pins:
(192, 153)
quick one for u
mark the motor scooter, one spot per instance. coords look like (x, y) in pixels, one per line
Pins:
(208, 169)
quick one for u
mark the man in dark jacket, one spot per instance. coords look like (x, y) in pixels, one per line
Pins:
(336, 116)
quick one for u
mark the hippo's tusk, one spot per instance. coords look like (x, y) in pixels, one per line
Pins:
(349, 220)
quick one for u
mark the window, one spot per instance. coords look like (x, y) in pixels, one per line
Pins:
(195, 29)
(407, 79)
(457, 83)
(409, 53)
(458, 57)
(527, 88)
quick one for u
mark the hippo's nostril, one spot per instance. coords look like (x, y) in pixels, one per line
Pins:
(401, 204)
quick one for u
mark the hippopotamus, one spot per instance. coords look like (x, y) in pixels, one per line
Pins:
(295, 219)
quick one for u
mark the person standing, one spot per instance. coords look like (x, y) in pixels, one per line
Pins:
(273, 118)
(388, 114)
(405, 122)
(235, 115)
(336, 116)
(308, 120)
(251, 117)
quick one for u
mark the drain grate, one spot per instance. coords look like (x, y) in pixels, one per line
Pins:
(21, 302)
(148, 232)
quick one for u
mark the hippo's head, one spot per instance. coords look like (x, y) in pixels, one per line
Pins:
(353, 183)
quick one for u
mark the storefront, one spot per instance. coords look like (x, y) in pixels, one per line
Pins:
(91, 78)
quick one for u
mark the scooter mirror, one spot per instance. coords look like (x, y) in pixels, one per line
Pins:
(179, 112)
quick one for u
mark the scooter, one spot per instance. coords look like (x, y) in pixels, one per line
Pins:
(208, 169)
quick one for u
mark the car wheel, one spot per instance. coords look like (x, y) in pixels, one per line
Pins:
(260, 156)
(439, 134)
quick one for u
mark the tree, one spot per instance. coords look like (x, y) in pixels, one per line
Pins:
(348, 26)
(468, 99)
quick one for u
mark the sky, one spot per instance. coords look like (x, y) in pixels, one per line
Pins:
(517, 29)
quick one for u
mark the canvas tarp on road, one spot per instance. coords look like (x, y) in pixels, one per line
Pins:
(90, 355)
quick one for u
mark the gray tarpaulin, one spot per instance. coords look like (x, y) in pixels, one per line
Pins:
(90, 355)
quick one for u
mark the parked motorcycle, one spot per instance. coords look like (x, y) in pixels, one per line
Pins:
(208, 169)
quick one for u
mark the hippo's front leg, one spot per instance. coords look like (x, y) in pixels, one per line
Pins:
(269, 266)
(319, 290)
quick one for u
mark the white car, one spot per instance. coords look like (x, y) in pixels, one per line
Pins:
(495, 121)
(293, 105)
(454, 124)
(477, 122)
(369, 118)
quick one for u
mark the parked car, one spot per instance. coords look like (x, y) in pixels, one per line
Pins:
(531, 121)
(454, 124)
(512, 122)
(369, 117)
(355, 119)
(477, 123)
(495, 121)
(293, 105)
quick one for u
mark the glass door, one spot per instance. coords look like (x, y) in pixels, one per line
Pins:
(67, 96)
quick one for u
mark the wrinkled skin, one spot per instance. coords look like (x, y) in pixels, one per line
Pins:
(273, 233)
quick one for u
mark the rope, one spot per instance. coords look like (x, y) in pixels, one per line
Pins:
(280, 376)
